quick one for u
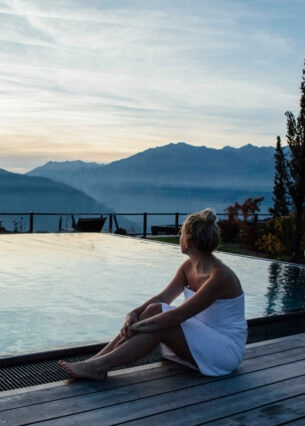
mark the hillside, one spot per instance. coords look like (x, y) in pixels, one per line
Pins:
(22, 193)
(174, 177)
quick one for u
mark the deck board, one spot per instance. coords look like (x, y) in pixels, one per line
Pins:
(268, 388)
(272, 414)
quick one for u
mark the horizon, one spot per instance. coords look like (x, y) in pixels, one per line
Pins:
(100, 83)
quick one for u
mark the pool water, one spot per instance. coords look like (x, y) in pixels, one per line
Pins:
(62, 289)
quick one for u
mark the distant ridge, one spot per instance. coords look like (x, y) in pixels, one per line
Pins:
(67, 167)
(174, 177)
(22, 194)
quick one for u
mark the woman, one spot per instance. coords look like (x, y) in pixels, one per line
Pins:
(207, 332)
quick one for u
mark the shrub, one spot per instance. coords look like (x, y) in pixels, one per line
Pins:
(250, 235)
(276, 239)
(229, 230)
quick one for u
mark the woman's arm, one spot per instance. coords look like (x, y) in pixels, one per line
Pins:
(167, 295)
(173, 290)
(202, 299)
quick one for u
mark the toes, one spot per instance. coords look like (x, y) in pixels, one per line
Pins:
(65, 366)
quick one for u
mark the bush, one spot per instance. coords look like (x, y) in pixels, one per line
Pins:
(276, 240)
(229, 230)
(250, 234)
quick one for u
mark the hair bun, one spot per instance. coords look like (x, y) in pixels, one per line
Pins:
(203, 230)
(208, 217)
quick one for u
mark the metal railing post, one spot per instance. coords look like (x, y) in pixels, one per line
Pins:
(110, 224)
(31, 214)
(144, 225)
(176, 223)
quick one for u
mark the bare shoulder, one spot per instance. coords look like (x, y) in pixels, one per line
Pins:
(227, 281)
(224, 271)
(186, 268)
(186, 265)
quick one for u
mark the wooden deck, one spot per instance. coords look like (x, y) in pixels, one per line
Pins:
(267, 389)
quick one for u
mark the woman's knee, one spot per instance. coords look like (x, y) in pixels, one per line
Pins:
(151, 310)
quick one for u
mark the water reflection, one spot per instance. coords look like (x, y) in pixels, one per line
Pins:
(286, 290)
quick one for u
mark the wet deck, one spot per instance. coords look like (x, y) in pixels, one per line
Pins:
(267, 389)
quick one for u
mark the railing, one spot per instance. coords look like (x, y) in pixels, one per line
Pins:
(130, 223)
(122, 223)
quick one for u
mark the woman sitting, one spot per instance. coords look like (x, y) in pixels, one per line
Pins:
(207, 332)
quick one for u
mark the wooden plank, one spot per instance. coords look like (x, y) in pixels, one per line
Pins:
(299, 422)
(221, 408)
(288, 410)
(142, 399)
(271, 360)
(275, 345)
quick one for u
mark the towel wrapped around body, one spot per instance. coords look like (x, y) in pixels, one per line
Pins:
(216, 336)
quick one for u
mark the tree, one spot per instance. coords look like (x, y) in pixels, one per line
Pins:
(250, 208)
(233, 211)
(296, 168)
(230, 228)
(292, 175)
(280, 196)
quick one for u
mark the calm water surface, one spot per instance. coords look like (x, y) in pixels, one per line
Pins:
(61, 289)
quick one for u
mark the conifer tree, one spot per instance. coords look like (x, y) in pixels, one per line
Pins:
(294, 170)
(280, 196)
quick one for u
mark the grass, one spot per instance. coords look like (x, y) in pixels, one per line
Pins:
(240, 248)
(232, 247)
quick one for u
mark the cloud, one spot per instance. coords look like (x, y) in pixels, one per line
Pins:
(127, 75)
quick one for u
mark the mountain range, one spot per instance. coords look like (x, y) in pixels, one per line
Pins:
(175, 177)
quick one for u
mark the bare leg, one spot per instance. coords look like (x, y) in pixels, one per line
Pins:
(118, 340)
(109, 347)
(131, 350)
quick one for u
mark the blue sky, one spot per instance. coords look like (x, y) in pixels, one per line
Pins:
(99, 80)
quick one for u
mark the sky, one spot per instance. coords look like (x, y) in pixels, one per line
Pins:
(100, 80)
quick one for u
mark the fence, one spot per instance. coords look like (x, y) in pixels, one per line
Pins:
(123, 223)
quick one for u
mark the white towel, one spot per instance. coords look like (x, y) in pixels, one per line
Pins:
(216, 336)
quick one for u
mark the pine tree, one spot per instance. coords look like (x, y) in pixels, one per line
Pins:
(295, 169)
(280, 196)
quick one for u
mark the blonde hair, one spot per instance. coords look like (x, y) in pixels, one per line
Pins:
(203, 230)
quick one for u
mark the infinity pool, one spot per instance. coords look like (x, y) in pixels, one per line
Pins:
(62, 289)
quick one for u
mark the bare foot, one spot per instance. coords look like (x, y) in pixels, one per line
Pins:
(83, 370)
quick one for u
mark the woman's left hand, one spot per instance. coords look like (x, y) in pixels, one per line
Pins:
(126, 330)
(145, 326)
